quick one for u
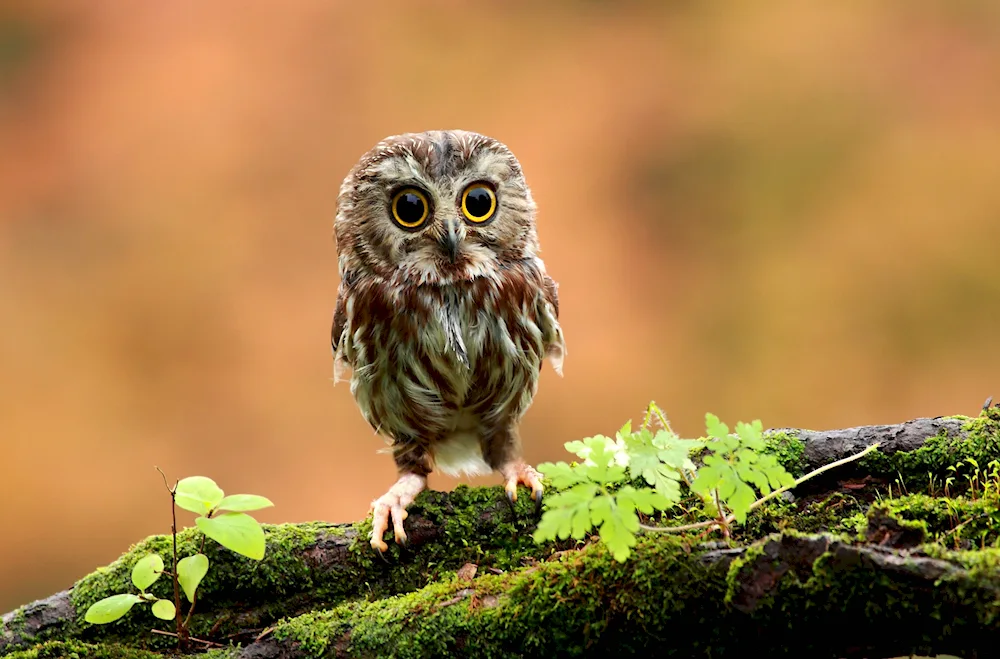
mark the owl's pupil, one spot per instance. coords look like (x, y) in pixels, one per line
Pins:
(478, 202)
(410, 208)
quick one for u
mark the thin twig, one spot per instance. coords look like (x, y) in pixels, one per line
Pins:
(165, 480)
(190, 638)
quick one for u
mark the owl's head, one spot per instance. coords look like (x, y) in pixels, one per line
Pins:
(435, 208)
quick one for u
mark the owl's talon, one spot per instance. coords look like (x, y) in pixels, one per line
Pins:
(391, 506)
(519, 472)
(537, 496)
(510, 504)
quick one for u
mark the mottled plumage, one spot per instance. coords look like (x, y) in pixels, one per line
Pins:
(443, 318)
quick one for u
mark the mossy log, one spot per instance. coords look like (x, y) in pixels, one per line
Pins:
(880, 558)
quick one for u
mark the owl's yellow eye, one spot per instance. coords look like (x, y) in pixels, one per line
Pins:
(479, 203)
(410, 208)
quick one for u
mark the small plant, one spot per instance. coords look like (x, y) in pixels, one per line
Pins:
(221, 518)
(596, 492)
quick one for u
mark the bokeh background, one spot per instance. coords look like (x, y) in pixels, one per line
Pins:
(787, 211)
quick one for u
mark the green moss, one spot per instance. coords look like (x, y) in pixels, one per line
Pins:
(557, 608)
(468, 525)
(16, 625)
(916, 468)
(233, 581)
(733, 575)
(82, 650)
(781, 596)
(952, 522)
(826, 515)
(789, 450)
(79, 650)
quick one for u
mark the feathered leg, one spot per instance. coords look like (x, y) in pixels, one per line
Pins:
(502, 451)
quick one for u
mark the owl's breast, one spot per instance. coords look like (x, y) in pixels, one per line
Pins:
(426, 358)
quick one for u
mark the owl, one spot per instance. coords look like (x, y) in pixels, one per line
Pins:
(444, 313)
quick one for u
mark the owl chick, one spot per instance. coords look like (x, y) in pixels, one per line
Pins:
(444, 312)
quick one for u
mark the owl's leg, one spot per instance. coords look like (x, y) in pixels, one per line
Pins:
(413, 466)
(502, 451)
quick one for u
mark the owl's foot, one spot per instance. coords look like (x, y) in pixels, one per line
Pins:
(519, 472)
(393, 505)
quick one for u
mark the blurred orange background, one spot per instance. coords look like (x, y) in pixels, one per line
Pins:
(788, 212)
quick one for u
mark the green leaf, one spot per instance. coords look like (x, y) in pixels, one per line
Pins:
(147, 570)
(603, 456)
(716, 429)
(110, 609)
(164, 610)
(667, 484)
(675, 451)
(567, 514)
(740, 501)
(236, 531)
(243, 503)
(778, 477)
(756, 478)
(643, 456)
(655, 465)
(618, 527)
(715, 472)
(578, 448)
(190, 572)
(644, 500)
(727, 485)
(562, 475)
(198, 494)
(751, 434)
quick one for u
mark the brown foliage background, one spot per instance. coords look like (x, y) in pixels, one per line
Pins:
(788, 212)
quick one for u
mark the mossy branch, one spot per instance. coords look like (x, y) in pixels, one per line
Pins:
(883, 585)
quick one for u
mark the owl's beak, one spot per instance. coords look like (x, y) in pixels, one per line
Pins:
(450, 240)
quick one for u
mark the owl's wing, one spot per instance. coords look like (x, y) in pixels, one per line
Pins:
(337, 334)
(555, 345)
(552, 293)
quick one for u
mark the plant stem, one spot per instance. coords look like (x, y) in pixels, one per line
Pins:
(724, 521)
(187, 620)
(759, 502)
(815, 472)
(652, 409)
(181, 626)
(678, 529)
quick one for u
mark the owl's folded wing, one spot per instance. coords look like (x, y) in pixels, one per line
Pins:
(555, 345)
(337, 335)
